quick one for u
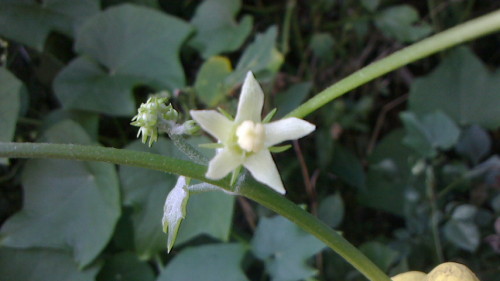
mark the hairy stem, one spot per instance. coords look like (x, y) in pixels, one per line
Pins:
(459, 34)
(248, 188)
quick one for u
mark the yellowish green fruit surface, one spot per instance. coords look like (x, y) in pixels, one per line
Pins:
(409, 276)
(451, 271)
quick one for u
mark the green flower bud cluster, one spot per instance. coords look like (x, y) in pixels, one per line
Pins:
(150, 114)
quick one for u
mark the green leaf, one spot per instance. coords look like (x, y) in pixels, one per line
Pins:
(10, 102)
(465, 213)
(260, 57)
(495, 204)
(387, 185)
(285, 249)
(416, 135)
(216, 29)
(66, 203)
(347, 166)
(398, 22)
(292, 98)
(322, 44)
(464, 235)
(370, 5)
(380, 254)
(209, 85)
(147, 3)
(461, 87)
(209, 213)
(41, 265)
(125, 267)
(122, 47)
(461, 229)
(83, 85)
(214, 262)
(146, 190)
(30, 22)
(434, 131)
(475, 143)
(331, 210)
(89, 121)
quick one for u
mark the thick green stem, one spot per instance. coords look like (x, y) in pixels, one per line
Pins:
(249, 188)
(461, 33)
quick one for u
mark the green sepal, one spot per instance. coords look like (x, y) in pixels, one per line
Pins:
(213, 145)
(234, 176)
(225, 113)
(281, 148)
(270, 115)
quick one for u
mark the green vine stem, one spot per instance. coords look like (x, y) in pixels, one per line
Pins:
(248, 188)
(472, 29)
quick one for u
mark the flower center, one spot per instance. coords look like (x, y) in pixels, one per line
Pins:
(251, 136)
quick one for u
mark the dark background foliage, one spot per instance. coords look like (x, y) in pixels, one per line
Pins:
(406, 166)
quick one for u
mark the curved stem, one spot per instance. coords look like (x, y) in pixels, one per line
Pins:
(249, 188)
(446, 39)
(272, 200)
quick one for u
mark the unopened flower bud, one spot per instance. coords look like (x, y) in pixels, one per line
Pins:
(148, 117)
(190, 127)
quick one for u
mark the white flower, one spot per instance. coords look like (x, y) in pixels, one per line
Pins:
(246, 139)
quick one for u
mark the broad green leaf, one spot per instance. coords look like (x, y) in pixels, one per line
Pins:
(495, 204)
(83, 85)
(416, 135)
(10, 102)
(462, 234)
(331, 210)
(209, 85)
(465, 213)
(432, 132)
(216, 29)
(209, 213)
(87, 120)
(146, 190)
(285, 249)
(461, 229)
(461, 87)
(347, 166)
(370, 5)
(41, 265)
(398, 22)
(292, 98)
(122, 47)
(475, 143)
(30, 22)
(147, 3)
(260, 57)
(380, 254)
(387, 184)
(67, 204)
(322, 44)
(213, 262)
(125, 266)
